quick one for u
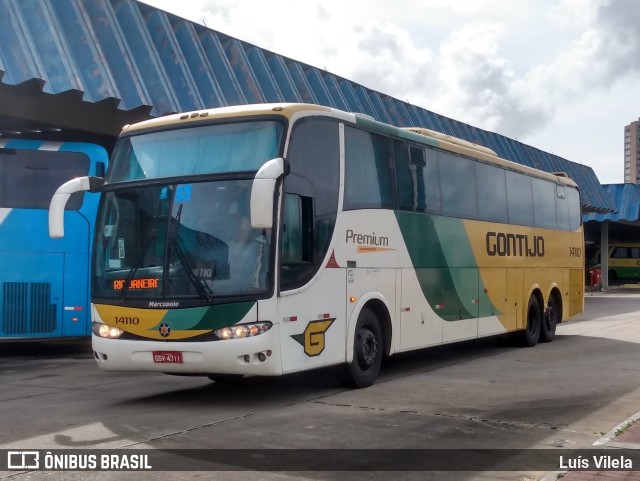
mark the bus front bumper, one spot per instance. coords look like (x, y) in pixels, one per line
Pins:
(259, 355)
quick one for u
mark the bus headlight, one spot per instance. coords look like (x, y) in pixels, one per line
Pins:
(103, 330)
(241, 331)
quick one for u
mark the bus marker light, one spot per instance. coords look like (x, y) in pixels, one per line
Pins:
(75, 319)
(353, 299)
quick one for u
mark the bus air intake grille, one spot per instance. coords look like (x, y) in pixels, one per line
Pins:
(27, 308)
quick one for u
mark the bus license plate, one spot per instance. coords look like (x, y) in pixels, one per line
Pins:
(167, 357)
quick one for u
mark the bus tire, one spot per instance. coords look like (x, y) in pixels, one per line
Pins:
(531, 333)
(363, 370)
(551, 319)
(225, 378)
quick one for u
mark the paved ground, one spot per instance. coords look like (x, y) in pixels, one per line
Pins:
(625, 435)
(478, 395)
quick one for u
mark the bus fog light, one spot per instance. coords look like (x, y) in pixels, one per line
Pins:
(241, 331)
(106, 331)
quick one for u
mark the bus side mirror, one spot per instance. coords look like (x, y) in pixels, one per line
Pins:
(61, 197)
(262, 192)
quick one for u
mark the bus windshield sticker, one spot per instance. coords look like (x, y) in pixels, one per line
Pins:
(183, 193)
(121, 253)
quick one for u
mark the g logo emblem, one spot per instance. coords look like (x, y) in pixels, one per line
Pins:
(313, 337)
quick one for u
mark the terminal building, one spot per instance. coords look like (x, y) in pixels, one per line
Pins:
(79, 70)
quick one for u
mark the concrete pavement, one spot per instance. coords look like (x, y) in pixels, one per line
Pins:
(626, 434)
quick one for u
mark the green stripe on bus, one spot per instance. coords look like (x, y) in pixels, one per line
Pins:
(445, 266)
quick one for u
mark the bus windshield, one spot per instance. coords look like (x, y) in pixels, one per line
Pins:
(180, 241)
(209, 149)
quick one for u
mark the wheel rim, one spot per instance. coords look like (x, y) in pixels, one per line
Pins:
(367, 348)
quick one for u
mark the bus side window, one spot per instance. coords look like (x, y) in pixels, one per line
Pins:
(544, 204)
(368, 171)
(519, 199)
(297, 235)
(562, 208)
(410, 165)
(458, 186)
(492, 193)
(620, 253)
(417, 178)
(575, 213)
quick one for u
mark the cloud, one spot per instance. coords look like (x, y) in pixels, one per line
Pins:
(604, 52)
(619, 22)
(447, 59)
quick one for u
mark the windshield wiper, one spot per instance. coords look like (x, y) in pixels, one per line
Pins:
(202, 288)
(132, 272)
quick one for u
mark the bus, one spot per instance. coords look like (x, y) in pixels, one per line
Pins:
(276, 238)
(623, 260)
(44, 283)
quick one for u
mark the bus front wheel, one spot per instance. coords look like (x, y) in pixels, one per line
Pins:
(363, 370)
(531, 334)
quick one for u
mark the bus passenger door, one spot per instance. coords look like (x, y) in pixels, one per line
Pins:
(312, 302)
(312, 325)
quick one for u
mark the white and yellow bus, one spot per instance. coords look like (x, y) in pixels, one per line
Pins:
(270, 239)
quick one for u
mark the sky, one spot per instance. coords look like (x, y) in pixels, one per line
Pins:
(560, 75)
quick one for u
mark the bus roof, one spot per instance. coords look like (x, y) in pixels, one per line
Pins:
(293, 110)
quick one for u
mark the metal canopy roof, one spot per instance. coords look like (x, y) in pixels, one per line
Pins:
(125, 56)
(627, 199)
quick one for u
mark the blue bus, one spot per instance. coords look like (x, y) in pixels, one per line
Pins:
(44, 282)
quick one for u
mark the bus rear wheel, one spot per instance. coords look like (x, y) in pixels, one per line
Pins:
(552, 318)
(363, 370)
(529, 337)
